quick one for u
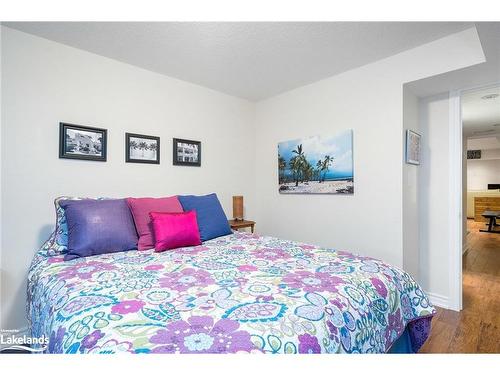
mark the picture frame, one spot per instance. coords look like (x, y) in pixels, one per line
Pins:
(140, 148)
(321, 164)
(413, 140)
(473, 154)
(186, 152)
(82, 142)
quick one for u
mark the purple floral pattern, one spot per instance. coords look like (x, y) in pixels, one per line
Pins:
(238, 293)
(379, 287)
(186, 279)
(271, 254)
(91, 340)
(84, 270)
(309, 344)
(200, 334)
(394, 326)
(127, 307)
(312, 281)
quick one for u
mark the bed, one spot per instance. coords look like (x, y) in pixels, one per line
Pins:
(238, 293)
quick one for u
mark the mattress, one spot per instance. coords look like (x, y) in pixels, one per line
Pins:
(238, 293)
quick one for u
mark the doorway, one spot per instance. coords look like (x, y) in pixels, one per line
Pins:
(480, 109)
(469, 322)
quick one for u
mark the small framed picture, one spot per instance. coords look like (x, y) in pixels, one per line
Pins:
(412, 147)
(186, 152)
(473, 154)
(141, 148)
(82, 142)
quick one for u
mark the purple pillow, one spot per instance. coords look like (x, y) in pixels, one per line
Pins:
(98, 227)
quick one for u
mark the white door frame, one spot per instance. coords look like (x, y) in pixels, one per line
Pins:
(455, 200)
(455, 194)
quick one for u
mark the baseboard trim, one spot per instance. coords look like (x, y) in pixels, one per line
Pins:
(439, 300)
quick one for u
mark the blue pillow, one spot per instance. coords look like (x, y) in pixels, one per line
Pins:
(98, 227)
(212, 220)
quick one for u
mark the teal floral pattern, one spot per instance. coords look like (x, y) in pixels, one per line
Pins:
(238, 293)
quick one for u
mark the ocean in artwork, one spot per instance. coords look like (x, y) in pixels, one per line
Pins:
(317, 165)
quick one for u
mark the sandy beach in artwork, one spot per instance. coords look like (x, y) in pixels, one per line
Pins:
(315, 187)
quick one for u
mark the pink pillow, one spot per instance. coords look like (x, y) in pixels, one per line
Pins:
(173, 230)
(141, 207)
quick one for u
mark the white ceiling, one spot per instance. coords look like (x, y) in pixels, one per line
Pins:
(249, 60)
(481, 117)
(474, 76)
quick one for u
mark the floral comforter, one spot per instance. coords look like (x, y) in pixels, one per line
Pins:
(238, 293)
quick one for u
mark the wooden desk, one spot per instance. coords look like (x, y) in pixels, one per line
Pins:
(482, 204)
(493, 216)
(238, 224)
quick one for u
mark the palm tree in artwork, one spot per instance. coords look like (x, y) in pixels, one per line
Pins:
(326, 165)
(299, 164)
(153, 147)
(299, 151)
(296, 167)
(319, 166)
(281, 168)
(142, 146)
(308, 171)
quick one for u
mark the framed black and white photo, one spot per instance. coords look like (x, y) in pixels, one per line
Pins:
(141, 148)
(186, 152)
(82, 142)
(412, 147)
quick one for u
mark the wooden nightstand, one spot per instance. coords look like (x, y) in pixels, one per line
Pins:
(238, 224)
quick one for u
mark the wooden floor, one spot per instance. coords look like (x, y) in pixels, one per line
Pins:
(476, 329)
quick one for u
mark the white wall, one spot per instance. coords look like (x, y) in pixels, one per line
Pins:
(481, 172)
(490, 154)
(434, 193)
(45, 83)
(368, 100)
(411, 173)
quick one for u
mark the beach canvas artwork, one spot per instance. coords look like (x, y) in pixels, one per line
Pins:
(317, 165)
